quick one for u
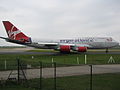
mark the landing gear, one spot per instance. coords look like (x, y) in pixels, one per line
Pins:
(107, 50)
(65, 52)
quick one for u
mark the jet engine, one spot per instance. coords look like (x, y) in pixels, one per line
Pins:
(82, 49)
(64, 48)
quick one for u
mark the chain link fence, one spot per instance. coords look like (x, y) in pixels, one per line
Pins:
(55, 76)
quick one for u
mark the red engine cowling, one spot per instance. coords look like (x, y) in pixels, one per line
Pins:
(65, 48)
(82, 49)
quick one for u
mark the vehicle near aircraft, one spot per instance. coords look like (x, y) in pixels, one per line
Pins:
(63, 45)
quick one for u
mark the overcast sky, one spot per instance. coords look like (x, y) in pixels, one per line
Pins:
(51, 19)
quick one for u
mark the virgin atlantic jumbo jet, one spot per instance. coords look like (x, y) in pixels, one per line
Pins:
(63, 45)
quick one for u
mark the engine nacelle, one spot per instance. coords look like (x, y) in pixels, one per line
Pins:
(82, 49)
(64, 48)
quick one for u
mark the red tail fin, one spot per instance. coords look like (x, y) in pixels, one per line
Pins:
(14, 33)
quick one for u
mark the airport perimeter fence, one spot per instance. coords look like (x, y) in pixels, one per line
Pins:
(55, 76)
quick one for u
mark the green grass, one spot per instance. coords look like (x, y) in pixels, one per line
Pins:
(63, 59)
(17, 87)
(100, 82)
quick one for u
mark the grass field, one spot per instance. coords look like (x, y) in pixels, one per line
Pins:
(100, 82)
(61, 59)
(15, 87)
(70, 59)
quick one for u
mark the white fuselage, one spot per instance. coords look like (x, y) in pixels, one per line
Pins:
(90, 42)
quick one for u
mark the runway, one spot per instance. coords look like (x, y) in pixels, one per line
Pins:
(53, 53)
(27, 51)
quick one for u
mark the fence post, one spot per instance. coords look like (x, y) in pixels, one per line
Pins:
(18, 64)
(85, 59)
(5, 65)
(55, 88)
(78, 61)
(40, 75)
(91, 77)
(52, 62)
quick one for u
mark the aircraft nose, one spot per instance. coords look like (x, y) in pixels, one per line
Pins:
(117, 43)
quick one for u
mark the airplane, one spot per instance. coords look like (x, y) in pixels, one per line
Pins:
(63, 45)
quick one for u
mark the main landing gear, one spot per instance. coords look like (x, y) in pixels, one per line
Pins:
(107, 50)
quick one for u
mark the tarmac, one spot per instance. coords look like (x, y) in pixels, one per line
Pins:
(53, 53)
(26, 51)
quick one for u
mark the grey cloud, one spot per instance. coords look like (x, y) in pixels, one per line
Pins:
(63, 18)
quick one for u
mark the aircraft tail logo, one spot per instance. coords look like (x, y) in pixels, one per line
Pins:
(14, 33)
